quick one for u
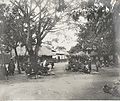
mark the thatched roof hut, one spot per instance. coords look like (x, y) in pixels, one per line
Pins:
(44, 51)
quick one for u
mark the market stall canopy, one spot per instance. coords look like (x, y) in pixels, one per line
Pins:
(44, 51)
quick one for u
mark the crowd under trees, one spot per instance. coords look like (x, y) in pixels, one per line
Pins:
(27, 22)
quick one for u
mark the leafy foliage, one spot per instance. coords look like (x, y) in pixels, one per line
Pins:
(98, 30)
(27, 22)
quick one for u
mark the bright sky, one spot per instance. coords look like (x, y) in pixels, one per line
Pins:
(6, 1)
(65, 38)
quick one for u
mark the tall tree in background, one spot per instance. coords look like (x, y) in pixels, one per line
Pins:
(98, 30)
(3, 8)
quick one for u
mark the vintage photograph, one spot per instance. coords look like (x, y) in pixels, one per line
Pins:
(59, 50)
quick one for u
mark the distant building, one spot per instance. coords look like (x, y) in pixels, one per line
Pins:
(61, 55)
(45, 53)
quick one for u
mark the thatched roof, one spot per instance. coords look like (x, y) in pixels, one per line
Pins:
(62, 53)
(45, 51)
(42, 51)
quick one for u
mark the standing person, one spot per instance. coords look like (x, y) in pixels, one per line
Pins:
(89, 65)
(44, 63)
(58, 58)
(6, 72)
(52, 64)
(97, 65)
(11, 67)
(45, 67)
(86, 68)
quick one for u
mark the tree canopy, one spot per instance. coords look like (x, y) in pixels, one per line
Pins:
(29, 21)
(98, 30)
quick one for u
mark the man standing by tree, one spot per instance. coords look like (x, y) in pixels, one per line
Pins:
(11, 67)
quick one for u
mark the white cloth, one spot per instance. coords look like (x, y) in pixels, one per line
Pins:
(44, 63)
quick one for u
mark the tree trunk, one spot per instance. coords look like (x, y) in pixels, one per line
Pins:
(18, 63)
(34, 55)
(38, 45)
(37, 49)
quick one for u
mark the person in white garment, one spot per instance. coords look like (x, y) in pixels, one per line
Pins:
(44, 63)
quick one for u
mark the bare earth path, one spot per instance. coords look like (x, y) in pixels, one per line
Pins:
(63, 85)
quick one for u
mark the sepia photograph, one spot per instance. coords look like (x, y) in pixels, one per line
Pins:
(59, 50)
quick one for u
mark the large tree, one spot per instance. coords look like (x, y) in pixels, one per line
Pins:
(99, 28)
(29, 21)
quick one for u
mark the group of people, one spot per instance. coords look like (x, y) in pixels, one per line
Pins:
(31, 69)
(47, 66)
(96, 63)
(85, 65)
(39, 68)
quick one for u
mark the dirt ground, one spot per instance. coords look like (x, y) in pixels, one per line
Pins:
(63, 85)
